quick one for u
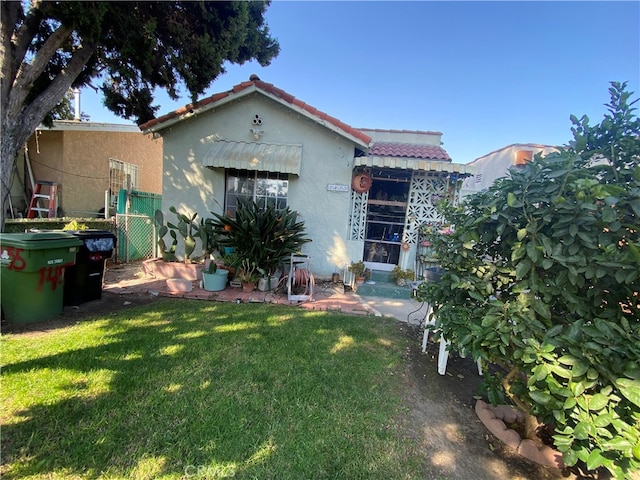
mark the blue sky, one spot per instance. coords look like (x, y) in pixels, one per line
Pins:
(485, 74)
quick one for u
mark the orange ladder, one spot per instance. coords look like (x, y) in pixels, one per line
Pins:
(50, 197)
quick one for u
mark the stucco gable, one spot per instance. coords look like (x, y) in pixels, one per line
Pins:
(263, 88)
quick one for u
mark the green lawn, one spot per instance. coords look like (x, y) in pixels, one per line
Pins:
(192, 389)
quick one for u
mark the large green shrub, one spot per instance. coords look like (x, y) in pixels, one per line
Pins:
(543, 278)
(263, 237)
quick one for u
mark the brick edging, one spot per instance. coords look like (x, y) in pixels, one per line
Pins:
(494, 419)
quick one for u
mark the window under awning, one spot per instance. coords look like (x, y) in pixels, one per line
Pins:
(266, 157)
(414, 164)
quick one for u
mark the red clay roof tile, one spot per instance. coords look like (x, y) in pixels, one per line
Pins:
(409, 150)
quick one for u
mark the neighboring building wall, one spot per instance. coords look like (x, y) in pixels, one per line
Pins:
(77, 158)
(404, 136)
(327, 158)
(496, 164)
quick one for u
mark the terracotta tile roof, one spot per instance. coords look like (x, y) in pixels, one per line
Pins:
(268, 88)
(408, 150)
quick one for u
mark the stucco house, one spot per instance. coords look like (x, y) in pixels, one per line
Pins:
(85, 160)
(488, 168)
(362, 193)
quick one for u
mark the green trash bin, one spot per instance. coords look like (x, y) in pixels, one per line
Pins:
(32, 269)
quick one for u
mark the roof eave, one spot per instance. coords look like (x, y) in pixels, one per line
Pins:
(315, 119)
(191, 111)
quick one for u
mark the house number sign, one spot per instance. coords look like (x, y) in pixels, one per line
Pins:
(336, 187)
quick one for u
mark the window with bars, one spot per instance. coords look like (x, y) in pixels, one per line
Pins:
(118, 173)
(265, 188)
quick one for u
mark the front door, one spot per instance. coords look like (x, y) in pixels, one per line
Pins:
(385, 219)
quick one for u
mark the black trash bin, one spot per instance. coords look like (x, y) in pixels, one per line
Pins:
(83, 281)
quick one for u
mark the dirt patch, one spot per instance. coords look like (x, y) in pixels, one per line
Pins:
(440, 416)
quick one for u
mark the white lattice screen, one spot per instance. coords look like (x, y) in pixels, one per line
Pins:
(358, 217)
(426, 190)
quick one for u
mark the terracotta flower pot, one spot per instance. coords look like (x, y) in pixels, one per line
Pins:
(248, 286)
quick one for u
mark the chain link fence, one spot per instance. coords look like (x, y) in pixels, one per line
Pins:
(136, 237)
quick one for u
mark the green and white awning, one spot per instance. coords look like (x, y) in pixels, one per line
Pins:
(266, 157)
(414, 164)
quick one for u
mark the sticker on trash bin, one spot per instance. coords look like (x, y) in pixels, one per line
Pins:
(54, 261)
(104, 244)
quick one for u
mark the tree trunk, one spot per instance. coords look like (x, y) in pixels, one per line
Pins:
(19, 120)
(531, 423)
(9, 152)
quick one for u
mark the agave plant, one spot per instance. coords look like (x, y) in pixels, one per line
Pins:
(265, 237)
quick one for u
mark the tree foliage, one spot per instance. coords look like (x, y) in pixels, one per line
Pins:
(49, 47)
(543, 278)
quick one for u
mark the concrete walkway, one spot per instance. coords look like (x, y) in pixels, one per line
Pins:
(123, 279)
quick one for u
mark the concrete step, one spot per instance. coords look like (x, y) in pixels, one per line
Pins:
(380, 276)
(383, 289)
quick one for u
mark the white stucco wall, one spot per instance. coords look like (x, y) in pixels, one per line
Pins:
(494, 165)
(404, 136)
(327, 158)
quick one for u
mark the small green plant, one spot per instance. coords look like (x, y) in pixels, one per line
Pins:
(401, 276)
(358, 268)
(231, 259)
(249, 271)
(211, 268)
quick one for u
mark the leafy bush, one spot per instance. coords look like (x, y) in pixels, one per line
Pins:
(542, 276)
(264, 237)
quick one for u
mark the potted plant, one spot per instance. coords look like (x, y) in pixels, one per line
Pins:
(269, 282)
(401, 276)
(248, 275)
(263, 235)
(214, 279)
(358, 269)
(231, 262)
